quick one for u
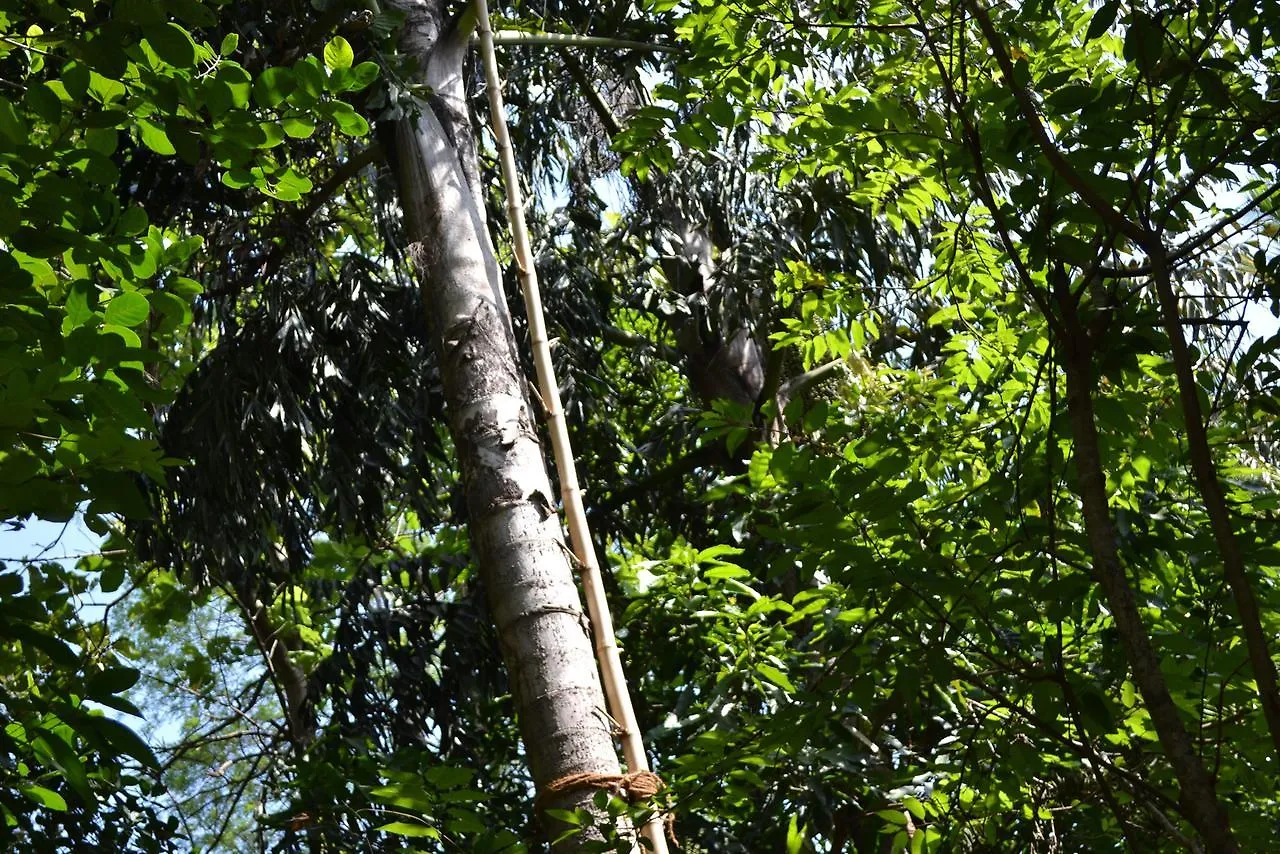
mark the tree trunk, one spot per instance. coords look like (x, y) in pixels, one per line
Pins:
(1215, 502)
(1198, 799)
(516, 537)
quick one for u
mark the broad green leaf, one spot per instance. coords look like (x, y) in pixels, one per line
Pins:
(1143, 42)
(12, 126)
(142, 13)
(310, 76)
(718, 551)
(121, 737)
(77, 304)
(154, 138)
(237, 178)
(364, 74)
(44, 102)
(776, 676)
(1102, 19)
(172, 44)
(796, 836)
(112, 577)
(44, 797)
(194, 13)
(347, 119)
(448, 777)
(133, 221)
(298, 127)
(273, 86)
(338, 53)
(128, 309)
(113, 680)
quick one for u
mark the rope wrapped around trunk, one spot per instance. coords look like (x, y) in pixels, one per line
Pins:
(635, 787)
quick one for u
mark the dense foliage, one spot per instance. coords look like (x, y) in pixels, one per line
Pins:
(921, 361)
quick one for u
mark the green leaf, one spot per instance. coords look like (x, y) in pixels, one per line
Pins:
(128, 309)
(1096, 711)
(12, 126)
(310, 76)
(77, 305)
(404, 828)
(112, 577)
(298, 127)
(1068, 99)
(113, 680)
(795, 835)
(273, 86)
(68, 761)
(364, 74)
(1102, 20)
(44, 797)
(338, 53)
(229, 44)
(237, 80)
(102, 140)
(44, 102)
(464, 821)
(1144, 42)
(237, 179)
(776, 676)
(194, 13)
(121, 737)
(141, 13)
(133, 221)
(726, 570)
(113, 491)
(718, 551)
(172, 44)
(408, 796)
(448, 777)
(154, 138)
(347, 119)
(59, 653)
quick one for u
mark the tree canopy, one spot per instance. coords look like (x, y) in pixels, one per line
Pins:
(922, 369)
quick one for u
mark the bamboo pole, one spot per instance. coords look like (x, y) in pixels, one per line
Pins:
(606, 644)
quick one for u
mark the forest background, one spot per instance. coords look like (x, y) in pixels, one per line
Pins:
(920, 360)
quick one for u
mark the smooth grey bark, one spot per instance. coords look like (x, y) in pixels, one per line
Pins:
(516, 536)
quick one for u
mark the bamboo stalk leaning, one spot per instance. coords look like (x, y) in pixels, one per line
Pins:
(606, 645)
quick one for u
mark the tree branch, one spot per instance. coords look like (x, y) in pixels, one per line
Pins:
(1199, 799)
(1215, 503)
(1048, 148)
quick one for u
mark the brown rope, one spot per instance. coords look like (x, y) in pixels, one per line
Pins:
(635, 787)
